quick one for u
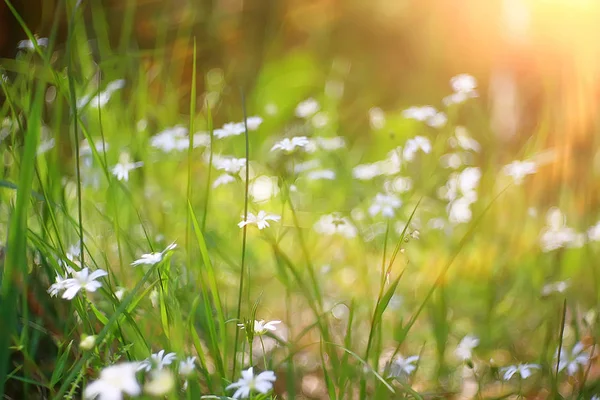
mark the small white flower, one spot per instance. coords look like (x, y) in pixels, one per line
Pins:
(261, 327)
(463, 83)
(223, 179)
(28, 44)
(121, 170)
(403, 366)
(307, 108)
(328, 144)
(518, 170)
(557, 234)
(83, 280)
(262, 383)
(58, 286)
(555, 287)
(332, 224)
(230, 165)
(459, 210)
(525, 370)
(230, 129)
(464, 350)
(113, 382)
(157, 361)
(593, 233)
(320, 120)
(263, 188)
(415, 144)
(87, 342)
(422, 113)
(254, 122)
(573, 360)
(261, 219)
(376, 118)
(385, 204)
(289, 145)
(187, 366)
(170, 139)
(366, 172)
(160, 384)
(438, 120)
(102, 98)
(153, 258)
(465, 141)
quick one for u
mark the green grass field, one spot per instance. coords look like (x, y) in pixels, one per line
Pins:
(353, 252)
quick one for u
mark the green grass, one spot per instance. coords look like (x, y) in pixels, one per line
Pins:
(348, 306)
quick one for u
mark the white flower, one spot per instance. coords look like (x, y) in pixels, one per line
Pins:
(307, 108)
(438, 120)
(320, 120)
(262, 383)
(525, 370)
(384, 204)
(415, 144)
(422, 113)
(254, 122)
(161, 383)
(289, 145)
(464, 350)
(329, 144)
(321, 174)
(230, 129)
(201, 139)
(400, 184)
(518, 170)
(153, 258)
(451, 160)
(332, 224)
(157, 360)
(571, 362)
(187, 366)
(231, 165)
(463, 83)
(83, 280)
(102, 98)
(223, 179)
(121, 170)
(263, 188)
(28, 44)
(170, 139)
(403, 366)
(465, 141)
(261, 219)
(459, 210)
(261, 327)
(555, 287)
(58, 286)
(366, 172)
(593, 233)
(556, 234)
(113, 382)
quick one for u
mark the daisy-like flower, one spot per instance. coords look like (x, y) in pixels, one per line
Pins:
(254, 122)
(113, 382)
(230, 129)
(230, 165)
(262, 383)
(332, 224)
(524, 370)
(385, 204)
(58, 286)
(261, 219)
(307, 108)
(170, 139)
(261, 327)
(464, 350)
(518, 170)
(289, 145)
(157, 361)
(187, 366)
(153, 258)
(403, 366)
(415, 144)
(82, 280)
(121, 170)
(573, 360)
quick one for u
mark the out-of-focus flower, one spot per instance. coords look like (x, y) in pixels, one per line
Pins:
(332, 224)
(102, 98)
(524, 370)
(28, 44)
(326, 174)
(87, 342)
(385, 204)
(82, 280)
(230, 129)
(464, 350)
(231, 165)
(403, 366)
(555, 287)
(463, 83)
(170, 139)
(58, 286)
(464, 141)
(261, 220)
(113, 382)
(573, 360)
(593, 233)
(262, 383)
(556, 234)
(415, 144)
(289, 145)
(187, 366)
(263, 188)
(223, 179)
(153, 258)
(366, 172)
(307, 108)
(160, 384)
(518, 170)
(376, 118)
(157, 361)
